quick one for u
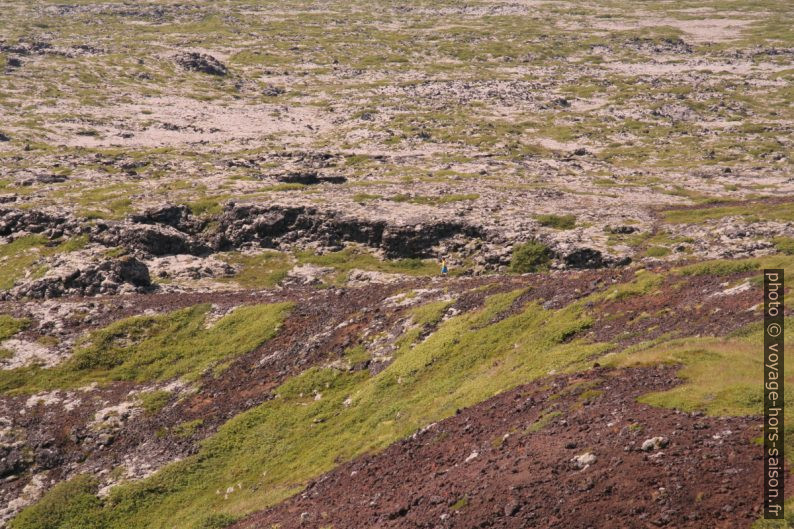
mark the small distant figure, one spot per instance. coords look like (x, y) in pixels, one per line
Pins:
(444, 269)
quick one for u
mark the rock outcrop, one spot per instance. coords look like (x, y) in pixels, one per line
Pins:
(14, 221)
(201, 62)
(152, 239)
(177, 216)
(274, 226)
(104, 277)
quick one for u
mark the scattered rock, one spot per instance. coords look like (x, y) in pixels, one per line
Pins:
(275, 226)
(176, 216)
(307, 274)
(13, 221)
(273, 91)
(511, 508)
(25, 353)
(14, 458)
(47, 458)
(365, 277)
(474, 455)
(189, 267)
(583, 461)
(201, 62)
(620, 230)
(654, 443)
(584, 258)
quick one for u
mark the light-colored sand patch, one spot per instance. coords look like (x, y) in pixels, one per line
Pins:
(30, 493)
(554, 145)
(712, 29)
(50, 314)
(169, 121)
(66, 399)
(697, 30)
(25, 353)
(188, 267)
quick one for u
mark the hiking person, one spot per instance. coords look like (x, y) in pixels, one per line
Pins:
(444, 269)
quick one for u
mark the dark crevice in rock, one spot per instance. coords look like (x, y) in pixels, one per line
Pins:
(310, 178)
(590, 258)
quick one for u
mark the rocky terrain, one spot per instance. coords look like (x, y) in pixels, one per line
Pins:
(221, 227)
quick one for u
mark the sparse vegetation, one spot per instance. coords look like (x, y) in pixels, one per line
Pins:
(785, 245)
(657, 251)
(72, 503)
(187, 429)
(9, 326)
(718, 267)
(154, 401)
(665, 126)
(21, 254)
(443, 199)
(782, 211)
(357, 258)
(262, 270)
(558, 222)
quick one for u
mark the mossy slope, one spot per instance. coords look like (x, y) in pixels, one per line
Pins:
(146, 348)
(325, 416)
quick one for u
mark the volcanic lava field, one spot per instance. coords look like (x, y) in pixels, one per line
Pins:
(222, 227)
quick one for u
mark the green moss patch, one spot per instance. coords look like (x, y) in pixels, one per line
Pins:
(21, 254)
(559, 222)
(783, 211)
(737, 391)
(720, 267)
(17, 256)
(9, 326)
(434, 200)
(71, 504)
(784, 245)
(657, 251)
(263, 270)
(530, 257)
(154, 401)
(358, 258)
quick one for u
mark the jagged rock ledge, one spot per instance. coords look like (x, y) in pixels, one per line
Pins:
(172, 230)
